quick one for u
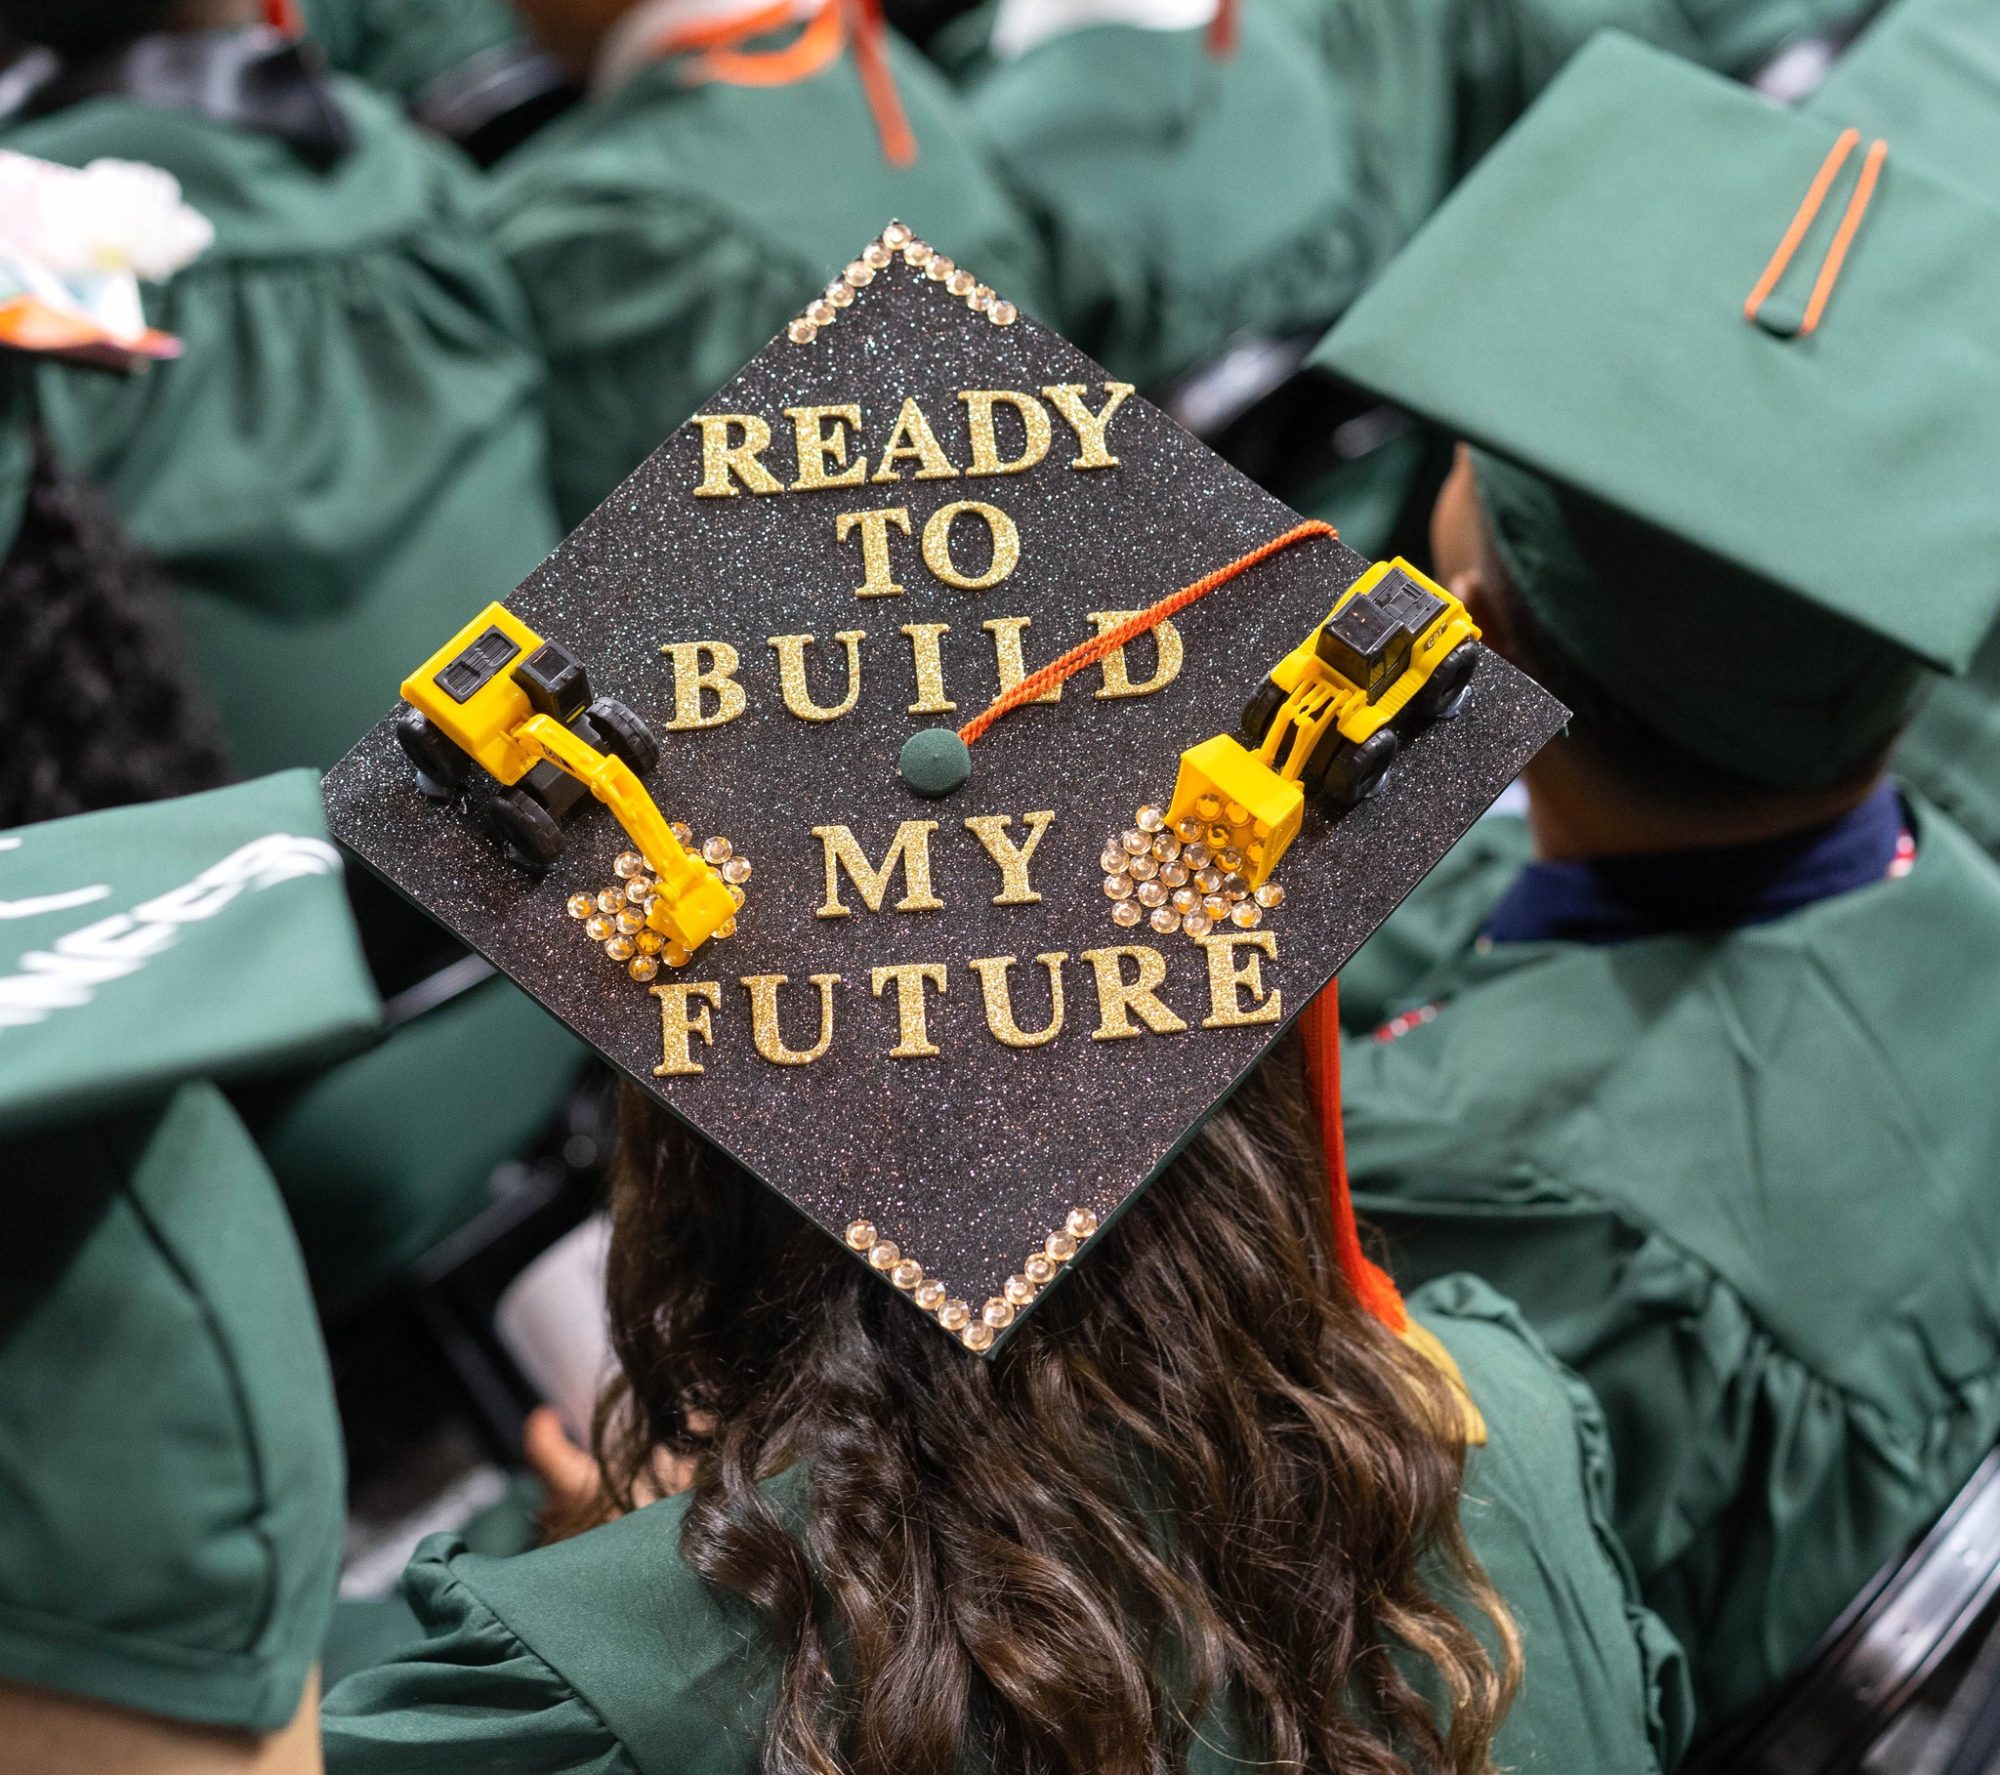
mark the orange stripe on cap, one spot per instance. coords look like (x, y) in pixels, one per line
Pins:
(1373, 1286)
(1836, 255)
(1802, 221)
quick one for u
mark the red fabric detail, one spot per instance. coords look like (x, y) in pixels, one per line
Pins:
(1372, 1284)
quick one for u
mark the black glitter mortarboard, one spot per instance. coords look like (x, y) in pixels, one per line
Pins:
(931, 1027)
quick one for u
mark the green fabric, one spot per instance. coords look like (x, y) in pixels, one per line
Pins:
(605, 1654)
(666, 232)
(203, 937)
(350, 454)
(1952, 751)
(17, 461)
(1538, 327)
(382, 1156)
(170, 1460)
(1745, 1186)
(403, 45)
(1187, 199)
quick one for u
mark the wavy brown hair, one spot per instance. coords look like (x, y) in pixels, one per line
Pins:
(1199, 1474)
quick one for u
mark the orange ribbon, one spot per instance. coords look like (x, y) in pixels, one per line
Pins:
(1373, 1286)
(1802, 221)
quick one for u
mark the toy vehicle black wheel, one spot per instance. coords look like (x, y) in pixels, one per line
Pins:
(1264, 702)
(441, 766)
(1443, 694)
(626, 736)
(529, 833)
(1360, 771)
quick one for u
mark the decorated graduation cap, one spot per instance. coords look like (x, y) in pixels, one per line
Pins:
(937, 778)
(1733, 381)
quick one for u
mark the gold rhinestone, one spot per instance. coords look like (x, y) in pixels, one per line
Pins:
(630, 922)
(998, 1312)
(1197, 855)
(581, 905)
(1197, 923)
(839, 294)
(1003, 314)
(980, 300)
(1174, 875)
(1060, 1246)
(802, 332)
(977, 1338)
(737, 897)
(717, 850)
(1126, 913)
(598, 927)
(897, 234)
(1218, 838)
(1270, 896)
(610, 899)
(683, 834)
(859, 274)
(929, 1295)
(1112, 862)
(1237, 813)
(642, 967)
(727, 928)
(882, 1254)
(1187, 830)
(822, 313)
(875, 255)
(1164, 919)
(1208, 806)
(907, 1274)
(916, 253)
(629, 864)
(1018, 1289)
(962, 283)
(640, 890)
(1081, 1223)
(1246, 915)
(649, 942)
(677, 955)
(860, 1234)
(1142, 867)
(1149, 819)
(620, 948)
(1040, 1269)
(736, 871)
(954, 1315)
(939, 269)
(1231, 859)
(1215, 905)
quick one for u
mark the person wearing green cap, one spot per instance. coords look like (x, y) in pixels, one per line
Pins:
(1927, 76)
(170, 1459)
(350, 448)
(728, 158)
(1686, 1065)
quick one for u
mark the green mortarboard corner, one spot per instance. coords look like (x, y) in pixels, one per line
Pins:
(169, 1453)
(932, 1030)
(1759, 533)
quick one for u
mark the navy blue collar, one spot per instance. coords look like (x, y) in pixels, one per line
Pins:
(1614, 899)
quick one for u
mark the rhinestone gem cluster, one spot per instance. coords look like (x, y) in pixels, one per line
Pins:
(616, 917)
(875, 258)
(1188, 877)
(976, 1331)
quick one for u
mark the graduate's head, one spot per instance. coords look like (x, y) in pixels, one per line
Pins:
(572, 31)
(96, 707)
(77, 28)
(1202, 1438)
(1728, 375)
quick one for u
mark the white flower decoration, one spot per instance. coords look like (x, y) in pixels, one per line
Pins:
(110, 217)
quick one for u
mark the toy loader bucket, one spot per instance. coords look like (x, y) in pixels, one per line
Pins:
(1221, 783)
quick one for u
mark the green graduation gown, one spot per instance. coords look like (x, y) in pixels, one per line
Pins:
(351, 453)
(605, 1654)
(171, 1506)
(1744, 1185)
(403, 45)
(664, 232)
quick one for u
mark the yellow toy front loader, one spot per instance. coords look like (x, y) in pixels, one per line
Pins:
(1396, 652)
(499, 701)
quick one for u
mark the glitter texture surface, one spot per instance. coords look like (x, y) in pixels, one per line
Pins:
(969, 1160)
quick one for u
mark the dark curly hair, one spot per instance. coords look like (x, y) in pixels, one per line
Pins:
(1200, 1473)
(84, 27)
(96, 709)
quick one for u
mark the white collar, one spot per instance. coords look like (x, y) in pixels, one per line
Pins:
(1022, 24)
(630, 44)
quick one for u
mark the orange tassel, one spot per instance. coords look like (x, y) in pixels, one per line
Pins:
(1372, 1285)
(283, 16)
(1222, 31)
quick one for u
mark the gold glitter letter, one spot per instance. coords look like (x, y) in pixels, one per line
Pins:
(912, 436)
(880, 577)
(1118, 998)
(986, 457)
(912, 848)
(763, 990)
(991, 830)
(791, 651)
(937, 545)
(1089, 427)
(1226, 1009)
(690, 680)
(681, 1018)
(913, 1039)
(818, 446)
(1006, 633)
(1168, 655)
(720, 458)
(928, 664)
(992, 972)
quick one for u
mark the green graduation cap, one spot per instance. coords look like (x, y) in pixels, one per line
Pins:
(865, 626)
(1926, 75)
(1735, 375)
(154, 1313)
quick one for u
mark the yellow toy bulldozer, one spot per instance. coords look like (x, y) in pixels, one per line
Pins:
(507, 719)
(1395, 653)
